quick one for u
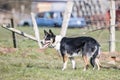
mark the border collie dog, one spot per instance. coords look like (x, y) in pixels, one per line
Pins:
(88, 47)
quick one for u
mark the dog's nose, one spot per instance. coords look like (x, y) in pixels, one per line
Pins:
(42, 42)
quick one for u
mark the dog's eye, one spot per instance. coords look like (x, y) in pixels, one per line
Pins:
(47, 38)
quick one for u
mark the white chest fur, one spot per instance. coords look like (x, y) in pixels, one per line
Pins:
(56, 44)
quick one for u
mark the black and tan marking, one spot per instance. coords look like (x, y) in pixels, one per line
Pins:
(88, 47)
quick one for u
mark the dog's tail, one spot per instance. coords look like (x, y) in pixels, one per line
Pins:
(96, 53)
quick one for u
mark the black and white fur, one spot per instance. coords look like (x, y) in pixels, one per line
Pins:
(88, 47)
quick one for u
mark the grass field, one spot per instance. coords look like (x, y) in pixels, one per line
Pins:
(28, 62)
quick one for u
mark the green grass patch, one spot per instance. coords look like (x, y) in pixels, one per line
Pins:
(28, 62)
(48, 67)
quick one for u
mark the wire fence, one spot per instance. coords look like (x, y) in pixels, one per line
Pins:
(95, 12)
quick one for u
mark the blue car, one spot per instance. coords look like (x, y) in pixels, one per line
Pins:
(55, 18)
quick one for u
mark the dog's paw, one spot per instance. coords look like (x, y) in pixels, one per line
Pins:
(84, 69)
(74, 68)
(63, 68)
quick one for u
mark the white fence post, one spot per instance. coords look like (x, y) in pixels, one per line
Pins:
(112, 26)
(19, 32)
(67, 15)
(35, 27)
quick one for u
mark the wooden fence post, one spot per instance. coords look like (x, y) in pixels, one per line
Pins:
(67, 15)
(13, 34)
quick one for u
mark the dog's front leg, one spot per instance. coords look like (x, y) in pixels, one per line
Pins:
(73, 62)
(65, 60)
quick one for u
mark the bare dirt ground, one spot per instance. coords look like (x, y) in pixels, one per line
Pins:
(110, 60)
(4, 50)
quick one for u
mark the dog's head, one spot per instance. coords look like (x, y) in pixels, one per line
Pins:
(49, 38)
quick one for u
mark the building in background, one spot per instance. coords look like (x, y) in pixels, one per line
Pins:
(48, 5)
(93, 10)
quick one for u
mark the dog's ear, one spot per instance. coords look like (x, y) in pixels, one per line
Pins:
(50, 32)
(45, 32)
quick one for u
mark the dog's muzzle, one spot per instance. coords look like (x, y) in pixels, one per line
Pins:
(45, 44)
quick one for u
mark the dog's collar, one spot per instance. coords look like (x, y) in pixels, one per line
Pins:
(58, 39)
